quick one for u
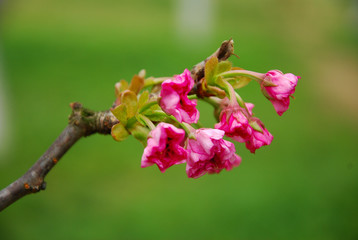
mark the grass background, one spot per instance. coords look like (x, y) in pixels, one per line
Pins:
(304, 186)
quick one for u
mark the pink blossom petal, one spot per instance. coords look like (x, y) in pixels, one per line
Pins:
(279, 95)
(258, 140)
(235, 121)
(174, 98)
(210, 153)
(164, 147)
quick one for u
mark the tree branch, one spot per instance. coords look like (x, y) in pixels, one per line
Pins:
(222, 53)
(82, 122)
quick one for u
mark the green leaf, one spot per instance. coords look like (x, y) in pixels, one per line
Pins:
(120, 112)
(157, 116)
(119, 132)
(145, 121)
(216, 91)
(210, 67)
(140, 120)
(223, 66)
(143, 98)
(137, 84)
(120, 87)
(239, 81)
(221, 83)
(140, 133)
(129, 99)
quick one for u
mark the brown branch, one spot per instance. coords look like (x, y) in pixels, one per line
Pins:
(222, 53)
(82, 122)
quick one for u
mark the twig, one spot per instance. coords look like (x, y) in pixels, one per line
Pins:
(222, 53)
(82, 122)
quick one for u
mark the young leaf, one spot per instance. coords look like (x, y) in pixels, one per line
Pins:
(142, 73)
(216, 91)
(223, 66)
(210, 68)
(220, 82)
(140, 133)
(239, 81)
(119, 132)
(137, 84)
(129, 99)
(120, 112)
(143, 98)
(120, 87)
(157, 116)
(140, 120)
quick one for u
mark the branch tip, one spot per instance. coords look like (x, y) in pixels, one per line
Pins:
(82, 122)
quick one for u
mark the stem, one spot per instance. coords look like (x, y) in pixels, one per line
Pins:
(240, 100)
(182, 125)
(154, 81)
(253, 75)
(198, 125)
(194, 96)
(233, 95)
(190, 129)
(229, 90)
(147, 121)
(148, 105)
(213, 101)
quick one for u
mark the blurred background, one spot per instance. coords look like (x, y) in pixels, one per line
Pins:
(303, 186)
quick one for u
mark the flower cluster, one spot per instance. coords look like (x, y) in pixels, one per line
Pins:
(165, 118)
(205, 152)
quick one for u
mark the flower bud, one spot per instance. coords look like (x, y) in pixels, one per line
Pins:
(174, 98)
(164, 147)
(278, 87)
(210, 153)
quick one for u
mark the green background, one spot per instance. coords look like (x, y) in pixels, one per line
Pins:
(303, 186)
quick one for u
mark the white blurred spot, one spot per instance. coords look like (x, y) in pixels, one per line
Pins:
(194, 20)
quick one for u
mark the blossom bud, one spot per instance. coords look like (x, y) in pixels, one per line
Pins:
(210, 153)
(174, 98)
(164, 147)
(278, 87)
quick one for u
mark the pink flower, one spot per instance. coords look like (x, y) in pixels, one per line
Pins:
(260, 136)
(174, 98)
(279, 95)
(210, 153)
(164, 147)
(239, 124)
(234, 120)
